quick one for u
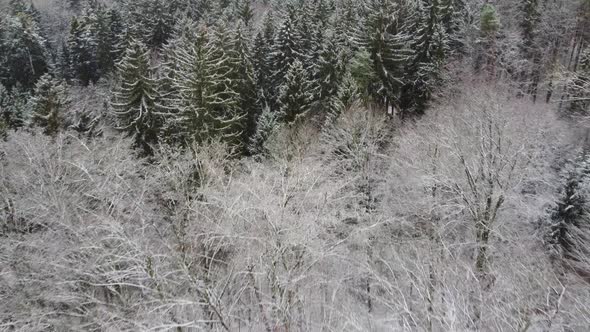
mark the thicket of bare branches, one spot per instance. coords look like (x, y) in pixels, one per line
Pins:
(366, 225)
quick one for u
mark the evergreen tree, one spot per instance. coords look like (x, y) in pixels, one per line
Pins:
(246, 86)
(286, 48)
(135, 100)
(453, 15)
(245, 12)
(14, 106)
(344, 98)
(580, 87)
(83, 48)
(295, 97)
(328, 70)
(489, 27)
(529, 25)
(48, 105)
(208, 102)
(571, 212)
(384, 36)
(262, 60)
(267, 123)
(430, 46)
(23, 51)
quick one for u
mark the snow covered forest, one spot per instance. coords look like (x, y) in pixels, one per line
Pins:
(295, 165)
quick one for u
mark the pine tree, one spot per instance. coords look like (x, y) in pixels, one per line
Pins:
(14, 106)
(328, 70)
(246, 86)
(295, 97)
(262, 60)
(431, 49)
(453, 16)
(286, 48)
(344, 98)
(489, 27)
(530, 19)
(83, 48)
(135, 100)
(23, 51)
(571, 211)
(580, 87)
(208, 102)
(48, 105)
(267, 123)
(245, 12)
(386, 40)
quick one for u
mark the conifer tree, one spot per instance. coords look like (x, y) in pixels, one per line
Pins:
(266, 124)
(344, 98)
(571, 212)
(295, 97)
(430, 46)
(530, 19)
(453, 16)
(580, 87)
(286, 47)
(328, 71)
(135, 101)
(489, 27)
(208, 103)
(23, 51)
(48, 105)
(245, 12)
(386, 40)
(246, 86)
(262, 60)
(14, 108)
(83, 47)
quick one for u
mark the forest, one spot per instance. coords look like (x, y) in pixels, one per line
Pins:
(295, 165)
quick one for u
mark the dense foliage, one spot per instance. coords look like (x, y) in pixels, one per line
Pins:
(294, 165)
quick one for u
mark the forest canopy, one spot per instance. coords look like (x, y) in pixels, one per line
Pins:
(294, 165)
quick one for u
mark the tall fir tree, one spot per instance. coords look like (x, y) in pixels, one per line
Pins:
(246, 87)
(83, 48)
(431, 48)
(207, 100)
(530, 76)
(579, 90)
(262, 60)
(24, 56)
(385, 37)
(295, 99)
(48, 105)
(488, 29)
(286, 47)
(136, 98)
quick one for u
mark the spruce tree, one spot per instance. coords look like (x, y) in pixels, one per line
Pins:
(295, 99)
(208, 103)
(489, 27)
(385, 37)
(246, 86)
(430, 46)
(49, 104)
(262, 60)
(266, 124)
(328, 70)
(135, 100)
(286, 48)
(530, 14)
(571, 210)
(344, 98)
(580, 87)
(83, 48)
(23, 51)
